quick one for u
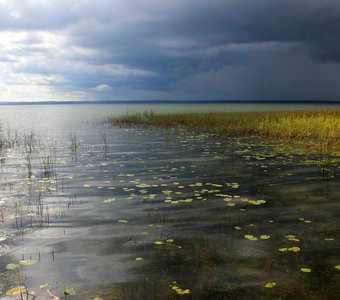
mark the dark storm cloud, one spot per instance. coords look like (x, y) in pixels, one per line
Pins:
(184, 38)
(233, 48)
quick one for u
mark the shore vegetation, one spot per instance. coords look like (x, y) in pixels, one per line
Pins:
(320, 126)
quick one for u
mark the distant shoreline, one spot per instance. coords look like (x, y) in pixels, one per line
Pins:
(127, 102)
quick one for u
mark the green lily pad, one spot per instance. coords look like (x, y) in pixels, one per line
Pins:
(69, 291)
(12, 266)
(306, 270)
(250, 237)
(28, 262)
(16, 290)
(270, 285)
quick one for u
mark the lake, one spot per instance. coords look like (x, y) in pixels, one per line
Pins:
(93, 211)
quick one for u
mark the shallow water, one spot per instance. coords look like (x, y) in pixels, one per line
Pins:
(150, 214)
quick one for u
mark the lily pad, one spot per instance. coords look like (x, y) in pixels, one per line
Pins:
(270, 285)
(28, 262)
(12, 266)
(16, 290)
(69, 291)
(109, 200)
(250, 237)
(306, 270)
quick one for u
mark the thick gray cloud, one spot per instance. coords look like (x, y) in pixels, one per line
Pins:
(152, 49)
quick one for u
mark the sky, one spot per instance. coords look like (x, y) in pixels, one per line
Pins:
(169, 50)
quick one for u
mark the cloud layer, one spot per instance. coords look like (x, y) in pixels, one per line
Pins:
(152, 49)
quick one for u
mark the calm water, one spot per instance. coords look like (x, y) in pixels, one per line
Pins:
(122, 213)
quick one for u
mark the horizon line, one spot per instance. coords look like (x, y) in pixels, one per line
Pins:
(69, 102)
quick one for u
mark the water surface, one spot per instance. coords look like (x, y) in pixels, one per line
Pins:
(126, 213)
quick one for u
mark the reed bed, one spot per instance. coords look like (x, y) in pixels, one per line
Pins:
(322, 126)
(8, 137)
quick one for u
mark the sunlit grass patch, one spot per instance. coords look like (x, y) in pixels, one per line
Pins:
(321, 126)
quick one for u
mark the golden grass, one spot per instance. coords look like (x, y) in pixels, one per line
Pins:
(321, 126)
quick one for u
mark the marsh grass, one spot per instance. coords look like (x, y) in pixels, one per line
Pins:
(317, 126)
(311, 132)
(8, 137)
(48, 161)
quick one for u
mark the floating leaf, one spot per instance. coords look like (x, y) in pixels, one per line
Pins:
(270, 285)
(123, 221)
(28, 262)
(250, 237)
(69, 291)
(109, 200)
(183, 292)
(180, 291)
(337, 267)
(12, 266)
(43, 286)
(256, 202)
(159, 243)
(16, 290)
(306, 270)
(264, 237)
(139, 258)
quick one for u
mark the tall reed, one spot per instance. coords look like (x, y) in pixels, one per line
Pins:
(322, 126)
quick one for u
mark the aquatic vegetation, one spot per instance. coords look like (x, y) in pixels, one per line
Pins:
(69, 291)
(270, 285)
(123, 221)
(250, 237)
(12, 266)
(28, 262)
(170, 214)
(18, 290)
(306, 270)
(174, 286)
(8, 137)
(74, 144)
(320, 126)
